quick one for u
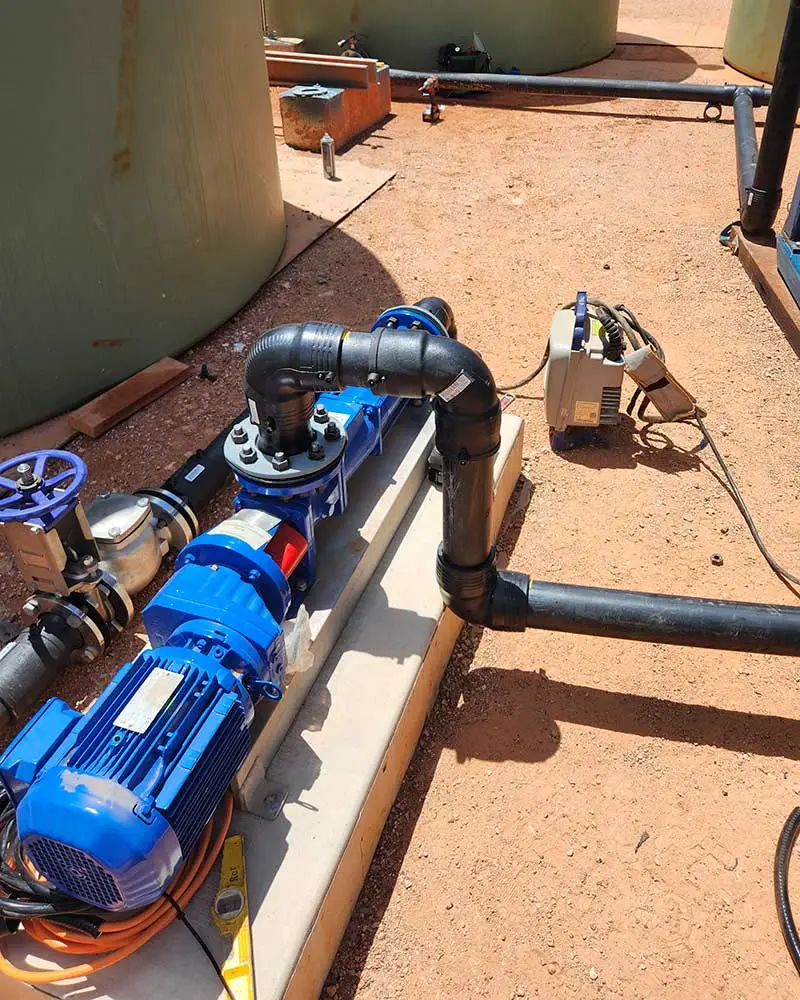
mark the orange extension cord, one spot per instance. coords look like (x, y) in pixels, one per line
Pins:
(121, 938)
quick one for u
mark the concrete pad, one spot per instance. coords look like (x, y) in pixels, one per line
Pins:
(341, 765)
(350, 548)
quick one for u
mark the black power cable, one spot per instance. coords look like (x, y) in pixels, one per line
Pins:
(783, 856)
(23, 896)
(181, 915)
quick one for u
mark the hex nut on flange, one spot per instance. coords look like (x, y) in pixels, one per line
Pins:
(248, 455)
(239, 434)
(280, 463)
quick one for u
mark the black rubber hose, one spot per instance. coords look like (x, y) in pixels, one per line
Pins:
(203, 475)
(783, 857)
(657, 90)
(30, 664)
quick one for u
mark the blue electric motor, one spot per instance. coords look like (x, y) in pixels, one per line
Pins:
(111, 802)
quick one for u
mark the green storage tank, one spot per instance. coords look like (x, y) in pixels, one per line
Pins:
(536, 36)
(140, 202)
(754, 36)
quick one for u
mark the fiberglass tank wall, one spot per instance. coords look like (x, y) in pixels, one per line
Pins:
(140, 202)
(537, 36)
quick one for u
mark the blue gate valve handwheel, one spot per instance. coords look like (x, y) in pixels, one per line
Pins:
(47, 488)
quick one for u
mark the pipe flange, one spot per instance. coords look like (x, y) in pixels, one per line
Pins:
(325, 452)
(178, 517)
(119, 602)
(76, 617)
(410, 318)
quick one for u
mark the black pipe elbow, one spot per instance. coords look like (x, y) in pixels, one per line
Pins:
(284, 368)
(483, 595)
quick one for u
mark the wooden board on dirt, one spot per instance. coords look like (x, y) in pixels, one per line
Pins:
(760, 260)
(115, 405)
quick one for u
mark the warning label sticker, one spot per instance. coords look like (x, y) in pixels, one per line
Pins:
(587, 413)
(143, 708)
(456, 387)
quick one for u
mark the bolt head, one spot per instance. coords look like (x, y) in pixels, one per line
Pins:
(280, 462)
(89, 655)
(320, 414)
(73, 621)
(316, 451)
(248, 455)
(239, 434)
(88, 561)
(114, 532)
(30, 610)
(332, 431)
(142, 502)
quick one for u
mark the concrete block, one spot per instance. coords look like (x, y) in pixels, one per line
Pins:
(308, 112)
(282, 44)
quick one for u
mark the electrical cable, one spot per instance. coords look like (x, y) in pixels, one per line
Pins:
(118, 939)
(783, 856)
(181, 915)
(529, 378)
(775, 566)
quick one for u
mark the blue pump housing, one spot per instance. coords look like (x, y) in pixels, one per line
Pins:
(111, 802)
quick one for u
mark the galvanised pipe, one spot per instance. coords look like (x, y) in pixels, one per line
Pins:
(573, 86)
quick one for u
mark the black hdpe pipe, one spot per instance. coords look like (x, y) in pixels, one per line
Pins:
(574, 86)
(289, 363)
(761, 170)
(32, 661)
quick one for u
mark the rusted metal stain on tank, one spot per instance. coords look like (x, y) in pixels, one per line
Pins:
(109, 342)
(122, 159)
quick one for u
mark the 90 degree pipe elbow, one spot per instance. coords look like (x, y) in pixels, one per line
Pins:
(289, 364)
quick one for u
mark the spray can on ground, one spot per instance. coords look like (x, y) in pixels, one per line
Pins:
(328, 149)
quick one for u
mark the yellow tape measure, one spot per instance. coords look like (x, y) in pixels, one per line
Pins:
(232, 917)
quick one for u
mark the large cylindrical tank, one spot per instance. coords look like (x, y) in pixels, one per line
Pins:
(140, 202)
(536, 36)
(754, 36)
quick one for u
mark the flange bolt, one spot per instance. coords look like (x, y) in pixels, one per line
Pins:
(316, 451)
(280, 463)
(320, 414)
(332, 432)
(248, 455)
(239, 434)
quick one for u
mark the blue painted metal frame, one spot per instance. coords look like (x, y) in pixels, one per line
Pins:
(788, 247)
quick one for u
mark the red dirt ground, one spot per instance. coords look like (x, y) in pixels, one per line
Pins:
(583, 818)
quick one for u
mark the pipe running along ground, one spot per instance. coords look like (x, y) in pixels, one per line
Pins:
(288, 364)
